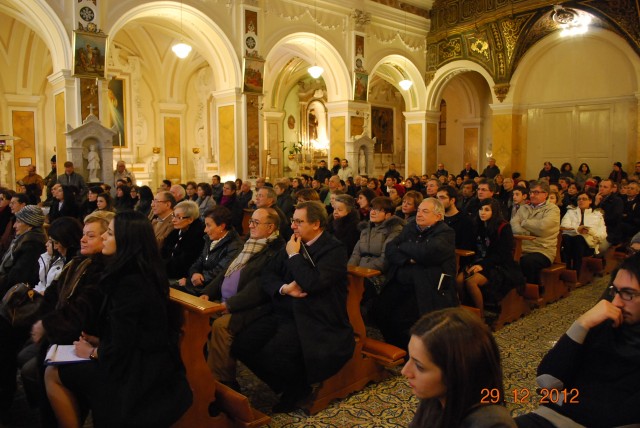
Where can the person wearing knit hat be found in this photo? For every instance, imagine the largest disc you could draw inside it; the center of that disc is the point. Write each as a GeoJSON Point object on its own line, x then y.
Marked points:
{"type": "Point", "coordinates": [20, 262]}
{"type": "Point", "coordinates": [31, 215]}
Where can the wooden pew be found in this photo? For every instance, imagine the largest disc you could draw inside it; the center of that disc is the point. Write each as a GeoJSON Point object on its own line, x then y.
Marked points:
{"type": "Point", "coordinates": [237, 412]}
{"type": "Point", "coordinates": [532, 291]}
{"type": "Point", "coordinates": [370, 357]}
{"type": "Point", "coordinates": [551, 283]}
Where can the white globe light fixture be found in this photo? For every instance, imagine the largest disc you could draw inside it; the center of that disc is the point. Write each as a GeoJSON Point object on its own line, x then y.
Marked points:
{"type": "Point", "coordinates": [405, 84]}
{"type": "Point", "coordinates": [182, 50]}
{"type": "Point", "coordinates": [315, 71]}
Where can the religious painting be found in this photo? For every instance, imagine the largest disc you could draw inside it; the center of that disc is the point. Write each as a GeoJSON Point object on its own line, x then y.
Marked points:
{"type": "Point", "coordinates": [360, 86]}
{"type": "Point", "coordinates": [382, 129]}
{"type": "Point", "coordinates": [89, 54]}
{"type": "Point", "coordinates": [253, 76]}
{"type": "Point", "coordinates": [359, 49]}
{"type": "Point", "coordinates": [115, 93]}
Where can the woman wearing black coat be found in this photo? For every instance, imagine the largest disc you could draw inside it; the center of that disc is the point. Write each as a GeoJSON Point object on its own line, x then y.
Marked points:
{"type": "Point", "coordinates": [64, 203]}
{"type": "Point", "coordinates": [184, 244]}
{"type": "Point", "coordinates": [135, 376]}
{"type": "Point", "coordinates": [221, 246]}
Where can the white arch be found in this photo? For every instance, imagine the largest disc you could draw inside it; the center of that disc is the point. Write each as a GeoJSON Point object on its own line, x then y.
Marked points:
{"type": "Point", "coordinates": [445, 73]}
{"type": "Point", "coordinates": [542, 47]}
{"type": "Point", "coordinates": [39, 17]}
{"type": "Point", "coordinates": [203, 33]}
{"type": "Point", "coordinates": [389, 67]}
{"type": "Point", "coordinates": [336, 76]}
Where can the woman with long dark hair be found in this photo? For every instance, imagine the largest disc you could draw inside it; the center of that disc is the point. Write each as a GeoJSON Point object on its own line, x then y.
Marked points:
{"type": "Point", "coordinates": [493, 264]}
{"type": "Point", "coordinates": [145, 197]}
{"type": "Point", "coordinates": [123, 201]}
{"type": "Point", "coordinates": [454, 370]}
{"type": "Point", "coordinates": [135, 376]}
{"type": "Point", "coordinates": [64, 202]}
{"type": "Point", "coordinates": [583, 174]}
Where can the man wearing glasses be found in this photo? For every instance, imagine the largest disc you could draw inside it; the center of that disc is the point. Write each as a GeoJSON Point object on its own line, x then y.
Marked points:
{"type": "Point", "coordinates": [308, 337]}
{"type": "Point", "coordinates": [162, 210]}
{"type": "Point", "coordinates": [542, 220]}
{"type": "Point", "coordinates": [239, 289]}
{"type": "Point", "coordinates": [591, 375]}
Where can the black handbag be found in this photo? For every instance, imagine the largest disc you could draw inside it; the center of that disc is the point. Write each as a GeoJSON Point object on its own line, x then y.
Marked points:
{"type": "Point", "coordinates": [20, 305]}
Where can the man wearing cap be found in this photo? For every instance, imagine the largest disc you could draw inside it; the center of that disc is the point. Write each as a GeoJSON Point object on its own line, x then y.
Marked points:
{"type": "Point", "coordinates": [20, 262]}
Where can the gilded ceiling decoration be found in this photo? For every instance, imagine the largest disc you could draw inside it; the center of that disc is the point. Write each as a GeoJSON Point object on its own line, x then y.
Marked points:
{"type": "Point", "coordinates": [497, 33]}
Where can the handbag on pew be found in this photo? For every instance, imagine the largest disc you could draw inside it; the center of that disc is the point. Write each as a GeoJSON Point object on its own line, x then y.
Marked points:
{"type": "Point", "coordinates": [20, 305]}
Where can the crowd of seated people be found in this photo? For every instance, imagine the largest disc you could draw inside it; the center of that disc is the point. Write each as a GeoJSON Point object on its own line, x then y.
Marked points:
{"type": "Point", "coordinates": [302, 234]}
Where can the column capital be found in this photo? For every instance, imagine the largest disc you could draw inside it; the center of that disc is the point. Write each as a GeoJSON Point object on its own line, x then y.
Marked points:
{"type": "Point", "coordinates": [415, 116]}
{"type": "Point", "coordinates": [60, 78]}
{"type": "Point", "coordinates": [175, 108]}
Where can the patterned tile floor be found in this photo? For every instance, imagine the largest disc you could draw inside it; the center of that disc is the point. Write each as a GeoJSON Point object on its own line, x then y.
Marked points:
{"type": "Point", "coordinates": [391, 404]}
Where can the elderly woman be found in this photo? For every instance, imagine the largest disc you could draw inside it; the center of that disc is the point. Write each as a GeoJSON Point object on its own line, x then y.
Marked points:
{"type": "Point", "coordinates": [221, 246]}
{"type": "Point", "coordinates": [375, 234]}
{"type": "Point", "coordinates": [134, 376]}
{"type": "Point", "coordinates": [410, 203]}
{"type": "Point", "coordinates": [205, 199]}
{"type": "Point", "coordinates": [70, 306]}
{"type": "Point", "coordinates": [585, 230]}
{"type": "Point", "coordinates": [183, 245]}
{"type": "Point", "coordinates": [20, 262]}
{"type": "Point", "coordinates": [62, 246]}
{"type": "Point", "coordinates": [343, 223]}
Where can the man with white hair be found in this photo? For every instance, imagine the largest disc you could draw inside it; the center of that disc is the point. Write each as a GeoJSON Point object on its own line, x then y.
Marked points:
{"type": "Point", "coordinates": [178, 193]}
{"type": "Point", "coordinates": [420, 279]}
{"type": "Point", "coordinates": [121, 173]}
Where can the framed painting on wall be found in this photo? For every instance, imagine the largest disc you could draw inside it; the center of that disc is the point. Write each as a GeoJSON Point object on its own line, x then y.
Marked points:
{"type": "Point", "coordinates": [116, 105]}
{"type": "Point", "coordinates": [89, 54]}
{"type": "Point", "coordinates": [253, 76]}
{"type": "Point", "coordinates": [360, 86]}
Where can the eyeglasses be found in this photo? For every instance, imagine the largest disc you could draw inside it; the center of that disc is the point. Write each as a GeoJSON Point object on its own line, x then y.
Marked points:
{"type": "Point", "coordinates": [583, 199]}
{"type": "Point", "coordinates": [376, 210]}
{"type": "Point", "coordinates": [297, 221]}
{"type": "Point", "coordinates": [536, 192]}
{"type": "Point", "coordinates": [179, 218]}
{"type": "Point", "coordinates": [256, 223]}
{"type": "Point", "coordinates": [625, 293]}
{"type": "Point", "coordinates": [156, 201]}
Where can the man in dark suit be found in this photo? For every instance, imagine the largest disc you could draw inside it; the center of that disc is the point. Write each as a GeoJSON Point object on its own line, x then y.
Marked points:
{"type": "Point", "coordinates": [308, 337]}
{"type": "Point", "coordinates": [422, 268]}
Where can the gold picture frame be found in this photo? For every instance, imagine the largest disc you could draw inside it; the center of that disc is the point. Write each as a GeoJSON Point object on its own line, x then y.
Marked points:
{"type": "Point", "coordinates": [253, 76]}
{"type": "Point", "coordinates": [89, 54]}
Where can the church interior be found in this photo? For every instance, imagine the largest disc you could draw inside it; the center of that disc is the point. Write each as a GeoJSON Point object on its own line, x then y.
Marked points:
{"type": "Point", "coordinates": [411, 82]}
{"type": "Point", "coordinates": [522, 81]}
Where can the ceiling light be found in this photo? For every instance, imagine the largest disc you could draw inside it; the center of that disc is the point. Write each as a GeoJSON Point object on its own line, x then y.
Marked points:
{"type": "Point", "coordinates": [406, 84]}
{"type": "Point", "coordinates": [315, 71]}
{"type": "Point", "coordinates": [181, 49]}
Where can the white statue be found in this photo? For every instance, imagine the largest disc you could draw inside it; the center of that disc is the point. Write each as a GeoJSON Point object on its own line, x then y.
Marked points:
{"type": "Point", "coordinates": [362, 162]}
{"type": "Point", "coordinates": [93, 163]}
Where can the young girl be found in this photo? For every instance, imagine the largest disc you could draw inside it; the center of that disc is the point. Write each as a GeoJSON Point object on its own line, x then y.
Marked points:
{"type": "Point", "coordinates": [454, 370]}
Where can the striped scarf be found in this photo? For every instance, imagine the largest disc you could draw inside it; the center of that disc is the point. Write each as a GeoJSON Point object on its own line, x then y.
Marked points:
{"type": "Point", "coordinates": [251, 248]}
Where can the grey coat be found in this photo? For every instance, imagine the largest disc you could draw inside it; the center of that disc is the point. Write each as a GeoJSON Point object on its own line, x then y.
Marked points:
{"type": "Point", "coordinates": [369, 250]}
